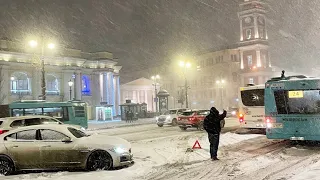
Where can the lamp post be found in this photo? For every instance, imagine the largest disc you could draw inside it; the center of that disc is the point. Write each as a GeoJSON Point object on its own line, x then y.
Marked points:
{"type": "Point", "coordinates": [34, 44]}
{"type": "Point", "coordinates": [220, 84]}
{"type": "Point", "coordinates": [70, 83]}
{"type": "Point", "coordinates": [154, 78]}
{"type": "Point", "coordinates": [185, 66]}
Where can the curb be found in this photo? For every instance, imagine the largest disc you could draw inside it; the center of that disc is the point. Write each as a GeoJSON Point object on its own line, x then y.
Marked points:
{"type": "Point", "coordinates": [121, 126]}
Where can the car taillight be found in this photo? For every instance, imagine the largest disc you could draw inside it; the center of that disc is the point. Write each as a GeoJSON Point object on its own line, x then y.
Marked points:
{"type": "Point", "coordinates": [3, 131]}
{"type": "Point", "coordinates": [192, 118]}
{"type": "Point", "coordinates": [241, 118]}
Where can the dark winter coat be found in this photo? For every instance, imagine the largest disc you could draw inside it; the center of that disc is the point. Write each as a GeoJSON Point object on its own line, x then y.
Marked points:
{"type": "Point", "coordinates": [212, 122]}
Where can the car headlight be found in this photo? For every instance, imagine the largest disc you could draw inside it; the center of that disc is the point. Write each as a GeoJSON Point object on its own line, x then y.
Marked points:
{"type": "Point", "coordinates": [168, 117]}
{"type": "Point", "coordinates": [83, 129]}
{"type": "Point", "coordinates": [233, 113]}
{"type": "Point", "coordinates": [157, 118]}
{"type": "Point", "coordinates": [119, 150]}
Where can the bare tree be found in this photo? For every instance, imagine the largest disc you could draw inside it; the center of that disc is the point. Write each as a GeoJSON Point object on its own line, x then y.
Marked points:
{"type": "Point", "coordinates": [2, 81]}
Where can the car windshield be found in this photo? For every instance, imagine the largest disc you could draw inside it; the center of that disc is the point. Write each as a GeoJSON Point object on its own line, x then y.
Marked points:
{"type": "Point", "coordinates": [77, 133]}
{"type": "Point", "coordinates": [170, 112]}
{"type": "Point", "coordinates": [188, 113]}
{"type": "Point", "coordinates": [1, 122]}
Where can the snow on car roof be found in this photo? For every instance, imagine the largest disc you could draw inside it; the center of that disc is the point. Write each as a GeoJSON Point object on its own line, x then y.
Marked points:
{"type": "Point", "coordinates": [24, 117]}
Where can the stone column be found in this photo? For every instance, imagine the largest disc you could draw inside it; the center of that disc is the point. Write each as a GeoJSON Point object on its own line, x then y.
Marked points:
{"type": "Point", "coordinates": [258, 54]}
{"type": "Point", "coordinates": [256, 33]}
{"type": "Point", "coordinates": [145, 96]}
{"type": "Point", "coordinates": [241, 60]}
{"type": "Point", "coordinates": [5, 84]}
{"type": "Point", "coordinates": [111, 93]}
{"type": "Point", "coordinates": [241, 30]}
{"type": "Point", "coordinates": [78, 85]}
{"type": "Point", "coordinates": [96, 91]}
{"type": "Point", "coordinates": [36, 84]}
{"type": "Point", "coordinates": [117, 94]}
{"type": "Point", "coordinates": [105, 88]}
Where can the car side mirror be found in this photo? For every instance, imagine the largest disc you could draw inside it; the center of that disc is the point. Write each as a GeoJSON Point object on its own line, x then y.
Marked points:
{"type": "Point", "coordinates": [66, 140]}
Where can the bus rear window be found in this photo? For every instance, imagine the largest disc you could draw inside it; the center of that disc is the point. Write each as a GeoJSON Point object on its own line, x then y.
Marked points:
{"type": "Point", "coordinates": [298, 102]}
{"type": "Point", "coordinates": [253, 97]}
{"type": "Point", "coordinates": [79, 111]}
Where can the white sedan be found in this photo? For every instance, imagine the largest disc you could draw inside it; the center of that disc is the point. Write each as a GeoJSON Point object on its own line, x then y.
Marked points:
{"type": "Point", "coordinates": [45, 147]}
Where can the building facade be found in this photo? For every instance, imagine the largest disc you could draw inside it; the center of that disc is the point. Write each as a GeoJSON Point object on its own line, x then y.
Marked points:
{"type": "Point", "coordinates": [139, 91]}
{"type": "Point", "coordinates": [95, 76]}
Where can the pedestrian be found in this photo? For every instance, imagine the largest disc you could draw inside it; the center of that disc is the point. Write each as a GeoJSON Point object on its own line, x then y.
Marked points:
{"type": "Point", "coordinates": [127, 116]}
{"type": "Point", "coordinates": [213, 124]}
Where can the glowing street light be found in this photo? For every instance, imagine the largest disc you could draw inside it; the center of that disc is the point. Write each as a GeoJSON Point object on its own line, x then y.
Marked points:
{"type": "Point", "coordinates": [70, 83]}
{"type": "Point", "coordinates": [220, 83]}
{"type": "Point", "coordinates": [51, 46]}
{"type": "Point", "coordinates": [33, 43]}
{"type": "Point", "coordinates": [185, 65]}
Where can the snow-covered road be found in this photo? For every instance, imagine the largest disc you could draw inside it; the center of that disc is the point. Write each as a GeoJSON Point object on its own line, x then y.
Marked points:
{"type": "Point", "coordinates": [160, 153]}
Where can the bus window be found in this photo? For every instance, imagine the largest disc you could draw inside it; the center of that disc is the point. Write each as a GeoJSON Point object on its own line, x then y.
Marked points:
{"type": "Point", "coordinates": [306, 102]}
{"type": "Point", "coordinates": [32, 111]}
{"type": "Point", "coordinates": [79, 111]}
{"type": "Point", "coordinates": [253, 97]}
{"type": "Point", "coordinates": [55, 112]}
{"type": "Point", "coordinates": [17, 112]}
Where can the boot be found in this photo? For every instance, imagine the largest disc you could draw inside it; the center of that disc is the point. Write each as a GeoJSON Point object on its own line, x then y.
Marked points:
{"type": "Point", "coordinates": [214, 159]}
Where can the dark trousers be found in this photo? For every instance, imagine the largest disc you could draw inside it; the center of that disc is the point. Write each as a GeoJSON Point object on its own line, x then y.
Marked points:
{"type": "Point", "coordinates": [214, 144]}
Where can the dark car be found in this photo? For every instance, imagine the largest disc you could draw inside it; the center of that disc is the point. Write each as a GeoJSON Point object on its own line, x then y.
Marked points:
{"type": "Point", "coordinates": [192, 119]}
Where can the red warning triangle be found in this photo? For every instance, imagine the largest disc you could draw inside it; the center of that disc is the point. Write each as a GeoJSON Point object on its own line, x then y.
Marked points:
{"type": "Point", "coordinates": [196, 145]}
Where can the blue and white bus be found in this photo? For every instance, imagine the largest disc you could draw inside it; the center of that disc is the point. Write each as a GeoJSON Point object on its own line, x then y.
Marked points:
{"type": "Point", "coordinates": [292, 108]}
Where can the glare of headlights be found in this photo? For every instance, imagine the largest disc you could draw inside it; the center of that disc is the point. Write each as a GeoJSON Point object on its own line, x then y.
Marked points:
{"type": "Point", "coordinates": [119, 150]}
{"type": "Point", "coordinates": [233, 112]}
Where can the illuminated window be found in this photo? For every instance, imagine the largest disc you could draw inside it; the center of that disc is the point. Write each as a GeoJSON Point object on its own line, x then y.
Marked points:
{"type": "Point", "coordinates": [251, 81]}
{"type": "Point", "coordinates": [86, 90]}
{"type": "Point", "coordinates": [52, 87]}
{"type": "Point", "coordinates": [248, 33]}
{"type": "Point", "coordinates": [20, 83]}
{"type": "Point", "coordinates": [249, 59]}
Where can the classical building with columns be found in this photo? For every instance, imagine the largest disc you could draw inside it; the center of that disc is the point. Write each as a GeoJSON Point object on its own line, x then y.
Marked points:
{"type": "Point", "coordinates": [95, 76]}
{"type": "Point", "coordinates": [140, 91]}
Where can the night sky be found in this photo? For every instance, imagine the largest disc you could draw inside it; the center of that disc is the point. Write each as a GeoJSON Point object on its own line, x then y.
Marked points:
{"type": "Point", "coordinates": [145, 33]}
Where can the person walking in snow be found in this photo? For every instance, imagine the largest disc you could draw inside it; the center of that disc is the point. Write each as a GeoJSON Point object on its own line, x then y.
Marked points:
{"type": "Point", "coordinates": [213, 124]}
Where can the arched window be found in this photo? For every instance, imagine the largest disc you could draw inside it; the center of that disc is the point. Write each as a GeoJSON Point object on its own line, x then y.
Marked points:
{"type": "Point", "coordinates": [20, 83]}
{"type": "Point", "coordinates": [52, 85]}
{"type": "Point", "coordinates": [86, 90]}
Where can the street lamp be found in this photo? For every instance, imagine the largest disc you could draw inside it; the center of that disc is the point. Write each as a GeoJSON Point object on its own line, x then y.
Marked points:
{"type": "Point", "coordinates": [185, 65]}
{"type": "Point", "coordinates": [34, 44]}
{"type": "Point", "coordinates": [70, 83]}
{"type": "Point", "coordinates": [154, 78]}
{"type": "Point", "coordinates": [220, 83]}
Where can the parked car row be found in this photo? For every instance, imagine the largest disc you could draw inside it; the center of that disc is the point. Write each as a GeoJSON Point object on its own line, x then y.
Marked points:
{"type": "Point", "coordinates": [44, 143]}
{"type": "Point", "coordinates": [184, 118]}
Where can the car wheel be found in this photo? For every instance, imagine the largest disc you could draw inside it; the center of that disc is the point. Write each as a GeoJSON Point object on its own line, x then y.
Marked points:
{"type": "Point", "coordinates": [160, 125]}
{"type": "Point", "coordinates": [99, 160]}
{"type": "Point", "coordinates": [200, 126]}
{"type": "Point", "coordinates": [183, 128]}
{"type": "Point", "coordinates": [6, 166]}
{"type": "Point", "coordinates": [174, 122]}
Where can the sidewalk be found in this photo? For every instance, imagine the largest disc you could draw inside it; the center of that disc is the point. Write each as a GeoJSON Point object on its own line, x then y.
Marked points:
{"type": "Point", "coordinates": [96, 125]}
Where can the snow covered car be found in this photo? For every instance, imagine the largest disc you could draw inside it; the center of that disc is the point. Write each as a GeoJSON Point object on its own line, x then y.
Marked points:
{"type": "Point", "coordinates": [46, 147]}
{"type": "Point", "coordinates": [192, 118]}
{"type": "Point", "coordinates": [169, 117]}
{"type": "Point", "coordinates": [10, 123]}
